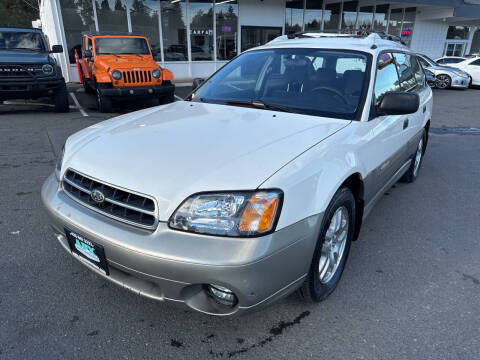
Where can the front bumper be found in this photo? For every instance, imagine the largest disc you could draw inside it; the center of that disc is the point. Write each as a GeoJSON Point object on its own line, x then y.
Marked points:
{"type": "Point", "coordinates": [459, 82]}
{"type": "Point", "coordinates": [164, 89]}
{"type": "Point", "coordinates": [173, 265]}
{"type": "Point", "coordinates": [28, 88]}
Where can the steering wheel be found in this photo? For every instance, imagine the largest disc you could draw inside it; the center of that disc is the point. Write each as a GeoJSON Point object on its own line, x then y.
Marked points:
{"type": "Point", "coordinates": [332, 90]}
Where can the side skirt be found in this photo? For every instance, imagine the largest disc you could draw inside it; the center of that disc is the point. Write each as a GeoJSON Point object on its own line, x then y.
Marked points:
{"type": "Point", "coordinates": [388, 185]}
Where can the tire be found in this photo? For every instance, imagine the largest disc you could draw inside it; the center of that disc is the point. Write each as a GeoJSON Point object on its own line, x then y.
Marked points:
{"type": "Point", "coordinates": [320, 283]}
{"type": "Point", "coordinates": [412, 173]}
{"type": "Point", "coordinates": [60, 99]}
{"type": "Point", "coordinates": [86, 87]}
{"type": "Point", "coordinates": [443, 81]}
{"type": "Point", "coordinates": [104, 103]}
{"type": "Point", "coordinates": [166, 99]}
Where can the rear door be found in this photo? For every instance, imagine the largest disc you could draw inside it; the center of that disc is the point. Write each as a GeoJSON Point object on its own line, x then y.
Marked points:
{"type": "Point", "coordinates": [473, 68]}
{"type": "Point", "coordinates": [412, 79]}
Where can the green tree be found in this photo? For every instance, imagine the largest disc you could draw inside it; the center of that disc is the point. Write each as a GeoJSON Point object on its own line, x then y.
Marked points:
{"type": "Point", "coordinates": [18, 13]}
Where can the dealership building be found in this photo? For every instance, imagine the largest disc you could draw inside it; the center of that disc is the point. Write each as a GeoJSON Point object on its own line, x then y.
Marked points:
{"type": "Point", "coordinates": [193, 38]}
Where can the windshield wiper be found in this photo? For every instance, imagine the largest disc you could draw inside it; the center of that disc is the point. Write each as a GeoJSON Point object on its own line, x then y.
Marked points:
{"type": "Point", "coordinates": [261, 105]}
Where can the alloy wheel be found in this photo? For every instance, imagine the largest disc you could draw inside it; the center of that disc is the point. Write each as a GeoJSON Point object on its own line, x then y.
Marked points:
{"type": "Point", "coordinates": [443, 81]}
{"type": "Point", "coordinates": [334, 245]}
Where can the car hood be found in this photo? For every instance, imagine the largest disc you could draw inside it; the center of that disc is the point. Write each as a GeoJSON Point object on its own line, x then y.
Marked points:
{"type": "Point", "coordinates": [173, 151]}
{"type": "Point", "coordinates": [125, 61]}
{"type": "Point", "coordinates": [23, 57]}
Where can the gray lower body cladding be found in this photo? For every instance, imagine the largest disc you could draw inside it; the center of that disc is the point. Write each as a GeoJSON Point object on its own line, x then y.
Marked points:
{"type": "Point", "coordinates": [171, 265]}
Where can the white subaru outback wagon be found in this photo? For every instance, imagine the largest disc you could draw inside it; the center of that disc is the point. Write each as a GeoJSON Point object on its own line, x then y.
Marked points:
{"type": "Point", "coordinates": [253, 187]}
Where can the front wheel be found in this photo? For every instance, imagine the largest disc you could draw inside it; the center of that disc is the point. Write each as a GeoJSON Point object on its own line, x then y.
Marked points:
{"type": "Point", "coordinates": [333, 246]}
{"type": "Point", "coordinates": [60, 99]}
{"type": "Point", "coordinates": [443, 81]}
{"type": "Point", "coordinates": [104, 103]}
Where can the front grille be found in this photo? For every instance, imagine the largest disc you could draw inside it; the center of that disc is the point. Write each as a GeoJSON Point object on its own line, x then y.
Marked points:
{"type": "Point", "coordinates": [119, 204]}
{"type": "Point", "coordinates": [137, 76]}
{"type": "Point", "coordinates": [20, 71]}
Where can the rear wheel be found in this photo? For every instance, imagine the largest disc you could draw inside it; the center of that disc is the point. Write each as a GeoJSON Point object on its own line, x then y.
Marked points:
{"type": "Point", "coordinates": [104, 103]}
{"type": "Point", "coordinates": [332, 247]}
{"type": "Point", "coordinates": [60, 99]}
{"type": "Point", "coordinates": [417, 159]}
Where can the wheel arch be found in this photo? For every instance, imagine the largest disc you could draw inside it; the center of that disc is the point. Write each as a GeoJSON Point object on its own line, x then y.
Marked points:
{"type": "Point", "coordinates": [354, 182]}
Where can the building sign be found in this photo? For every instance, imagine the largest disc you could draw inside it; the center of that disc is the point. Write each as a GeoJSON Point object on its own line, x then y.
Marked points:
{"type": "Point", "coordinates": [201, 31]}
{"type": "Point", "coordinates": [406, 32]}
{"type": "Point", "coordinates": [226, 28]}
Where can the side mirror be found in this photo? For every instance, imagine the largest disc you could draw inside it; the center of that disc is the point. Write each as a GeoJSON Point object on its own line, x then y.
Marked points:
{"type": "Point", "coordinates": [57, 49]}
{"type": "Point", "coordinates": [87, 53]}
{"type": "Point", "coordinates": [197, 82]}
{"type": "Point", "coordinates": [398, 103]}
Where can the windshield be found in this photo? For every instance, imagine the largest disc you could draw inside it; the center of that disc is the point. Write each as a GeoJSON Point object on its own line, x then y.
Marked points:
{"type": "Point", "coordinates": [11, 40]}
{"type": "Point", "coordinates": [121, 45]}
{"type": "Point", "coordinates": [317, 82]}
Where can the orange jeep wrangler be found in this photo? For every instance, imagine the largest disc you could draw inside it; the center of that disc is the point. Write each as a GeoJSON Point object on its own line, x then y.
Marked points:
{"type": "Point", "coordinates": [116, 66]}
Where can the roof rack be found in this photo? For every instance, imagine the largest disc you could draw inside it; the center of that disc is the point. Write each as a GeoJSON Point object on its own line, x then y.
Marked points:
{"type": "Point", "coordinates": [355, 33]}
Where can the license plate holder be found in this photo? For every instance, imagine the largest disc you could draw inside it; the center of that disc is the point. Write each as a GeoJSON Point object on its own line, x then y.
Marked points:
{"type": "Point", "coordinates": [87, 250]}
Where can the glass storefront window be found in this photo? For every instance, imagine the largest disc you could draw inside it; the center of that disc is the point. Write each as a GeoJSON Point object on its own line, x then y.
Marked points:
{"type": "Point", "coordinates": [349, 16]}
{"type": "Point", "coordinates": [77, 17]}
{"type": "Point", "coordinates": [457, 32]}
{"type": "Point", "coordinates": [112, 15]}
{"type": "Point", "coordinates": [381, 18]}
{"type": "Point", "coordinates": [293, 16]}
{"type": "Point", "coordinates": [331, 17]}
{"type": "Point", "coordinates": [201, 29]}
{"type": "Point", "coordinates": [144, 18]}
{"type": "Point", "coordinates": [365, 18]}
{"type": "Point", "coordinates": [258, 35]}
{"type": "Point", "coordinates": [408, 23]}
{"type": "Point", "coordinates": [226, 13]}
{"type": "Point", "coordinates": [313, 15]}
{"type": "Point", "coordinates": [395, 23]}
{"type": "Point", "coordinates": [174, 30]}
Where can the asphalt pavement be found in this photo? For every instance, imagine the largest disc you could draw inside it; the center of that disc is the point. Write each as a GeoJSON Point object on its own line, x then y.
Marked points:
{"type": "Point", "coordinates": [411, 288]}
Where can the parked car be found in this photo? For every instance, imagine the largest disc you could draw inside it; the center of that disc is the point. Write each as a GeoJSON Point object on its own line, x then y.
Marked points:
{"type": "Point", "coordinates": [27, 70]}
{"type": "Point", "coordinates": [120, 66]}
{"type": "Point", "coordinates": [282, 154]}
{"type": "Point", "coordinates": [472, 67]}
{"type": "Point", "coordinates": [449, 60]}
{"type": "Point", "coordinates": [447, 77]}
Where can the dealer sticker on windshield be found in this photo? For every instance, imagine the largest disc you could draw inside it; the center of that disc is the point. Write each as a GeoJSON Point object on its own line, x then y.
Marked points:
{"type": "Point", "coordinates": [87, 250]}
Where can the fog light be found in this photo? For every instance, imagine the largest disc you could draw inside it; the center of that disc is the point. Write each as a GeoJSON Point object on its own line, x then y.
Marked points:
{"type": "Point", "coordinates": [222, 295]}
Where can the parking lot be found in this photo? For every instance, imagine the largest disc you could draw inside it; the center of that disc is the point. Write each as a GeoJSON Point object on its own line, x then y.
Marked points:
{"type": "Point", "coordinates": [411, 289]}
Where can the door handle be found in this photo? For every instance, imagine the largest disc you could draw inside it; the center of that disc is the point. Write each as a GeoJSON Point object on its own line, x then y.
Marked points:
{"type": "Point", "coordinates": [405, 124]}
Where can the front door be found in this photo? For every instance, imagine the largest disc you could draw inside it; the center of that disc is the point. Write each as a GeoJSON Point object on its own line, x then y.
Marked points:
{"type": "Point", "coordinates": [253, 36]}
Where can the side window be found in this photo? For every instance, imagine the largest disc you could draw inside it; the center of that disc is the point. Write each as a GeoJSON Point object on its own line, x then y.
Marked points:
{"type": "Point", "coordinates": [89, 44]}
{"type": "Point", "coordinates": [442, 61]}
{"type": "Point", "coordinates": [419, 74]}
{"type": "Point", "coordinates": [405, 71]}
{"type": "Point", "coordinates": [387, 76]}
{"type": "Point", "coordinates": [423, 62]}
{"type": "Point", "coordinates": [476, 62]}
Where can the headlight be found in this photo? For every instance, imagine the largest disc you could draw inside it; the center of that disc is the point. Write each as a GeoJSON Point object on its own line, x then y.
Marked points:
{"type": "Point", "coordinates": [240, 214]}
{"type": "Point", "coordinates": [47, 69]}
{"type": "Point", "coordinates": [156, 73]}
{"type": "Point", "coordinates": [116, 75]}
{"type": "Point", "coordinates": [58, 166]}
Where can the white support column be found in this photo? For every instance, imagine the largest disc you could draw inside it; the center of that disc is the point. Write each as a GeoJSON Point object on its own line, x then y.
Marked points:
{"type": "Point", "coordinates": [189, 50]}
{"type": "Point", "coordinates": [303, 15]}
{"type": "Point", "coordinates": [129, 20]}
{"type": "Point", "coordinates": [160, 31]}
{"type": "Point", "coordinates": [95, 18]}
{"type": "Point", "coordinates": [64, 60]}
{"type": "Point", "coordinates": [322, 21]}
{"type": "Point", "coordinates": [214, 37]}
{"type": "Point", "coordinates": [239, 27]}
{"type": "Point", "coordinates": [340, 17]}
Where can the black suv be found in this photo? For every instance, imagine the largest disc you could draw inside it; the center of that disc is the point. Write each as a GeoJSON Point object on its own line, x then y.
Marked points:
{"type": "Point", "coordinates": [27, 70]}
